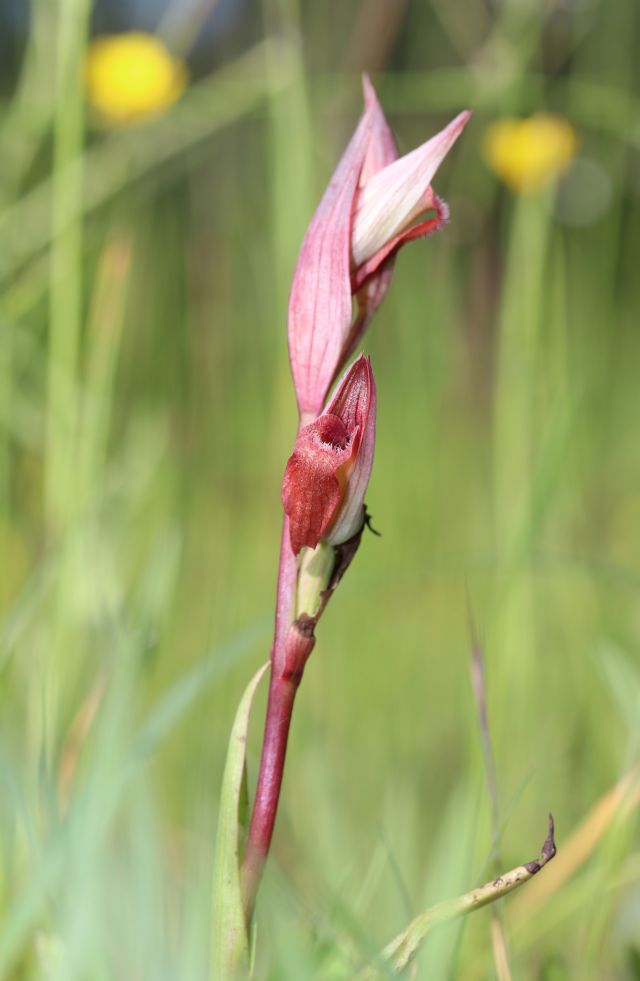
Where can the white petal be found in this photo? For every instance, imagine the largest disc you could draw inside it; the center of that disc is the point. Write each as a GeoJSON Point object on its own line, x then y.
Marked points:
{"type": "Point", "coordinates": [397, 195]}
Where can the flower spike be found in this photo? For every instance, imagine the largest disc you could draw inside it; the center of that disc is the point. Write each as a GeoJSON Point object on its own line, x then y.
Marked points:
{"type": "Point", "coordinates": [374, 203]}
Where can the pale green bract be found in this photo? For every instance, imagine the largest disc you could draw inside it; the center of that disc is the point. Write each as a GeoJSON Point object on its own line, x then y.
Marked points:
{"type": "Point", "coordinates": [230, 943]}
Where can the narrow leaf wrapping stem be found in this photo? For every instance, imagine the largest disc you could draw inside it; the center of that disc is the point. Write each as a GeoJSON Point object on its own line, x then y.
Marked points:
{"type": "Point", "coordinates": [230, 944]}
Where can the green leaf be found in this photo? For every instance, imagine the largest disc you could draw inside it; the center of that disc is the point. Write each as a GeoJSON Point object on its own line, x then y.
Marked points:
{"type": "Point", "coordinates": [230, 943]}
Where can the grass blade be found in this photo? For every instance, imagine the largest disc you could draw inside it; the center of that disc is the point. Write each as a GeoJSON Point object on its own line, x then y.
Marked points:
{"type": "Point", "coordinates": [399, 953]}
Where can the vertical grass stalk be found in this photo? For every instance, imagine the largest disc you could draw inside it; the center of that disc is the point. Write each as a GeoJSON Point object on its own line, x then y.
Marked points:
{"type": "Point", "coordinates": [65, 296]}
{"type": "Point", "coordinates": [514, 440]}
{"type": "Point", "coordinates": [65, 320]}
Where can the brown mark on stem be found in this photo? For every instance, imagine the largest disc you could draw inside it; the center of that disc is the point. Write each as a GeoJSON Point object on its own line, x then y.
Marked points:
{"type": "Point", "coordinates": [547, 853]}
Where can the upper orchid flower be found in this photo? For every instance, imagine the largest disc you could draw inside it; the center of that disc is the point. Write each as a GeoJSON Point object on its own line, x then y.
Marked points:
{"type": "Point", "coordinates": [391, 205]}
{"type": "Point", "coordinates": [326, 477]}
{"type": "Point", "coordinates": [374, 203]}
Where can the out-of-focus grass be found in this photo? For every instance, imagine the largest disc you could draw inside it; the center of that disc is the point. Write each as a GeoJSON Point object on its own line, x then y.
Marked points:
{"type": "Point", "coordinates": [134, 609]}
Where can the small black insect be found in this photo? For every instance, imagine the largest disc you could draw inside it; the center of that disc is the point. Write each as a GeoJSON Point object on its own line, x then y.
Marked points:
{"type": "Point", "coordinates": [367, 521]}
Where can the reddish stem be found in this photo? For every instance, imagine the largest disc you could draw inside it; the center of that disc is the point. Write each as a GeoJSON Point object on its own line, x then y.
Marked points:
{"type": "Point", "coordinates": [282, 693]}
{"type": "Point", "coordinates": [288, 654]}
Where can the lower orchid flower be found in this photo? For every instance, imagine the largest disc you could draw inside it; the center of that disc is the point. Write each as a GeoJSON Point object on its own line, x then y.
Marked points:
{"type": "Point", "coordinates": [326, 477]}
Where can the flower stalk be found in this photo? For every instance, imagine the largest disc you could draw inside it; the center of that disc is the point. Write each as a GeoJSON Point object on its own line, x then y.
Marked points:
{"type": "Point", "coordinates": [323, 495]}
{"type": "Point", "coordinates": [282, 692]}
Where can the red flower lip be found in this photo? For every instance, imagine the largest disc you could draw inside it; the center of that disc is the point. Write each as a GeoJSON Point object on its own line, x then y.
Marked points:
{"type": "Point", "coordinates": [327, 474]}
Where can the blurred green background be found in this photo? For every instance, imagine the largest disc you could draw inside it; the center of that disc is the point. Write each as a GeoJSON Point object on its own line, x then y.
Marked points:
{"type": "Point", "coordinates": [146, 413]}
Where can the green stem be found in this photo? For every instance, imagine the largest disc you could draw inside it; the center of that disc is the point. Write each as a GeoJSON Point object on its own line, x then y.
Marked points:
{"type": "Point", "coordinates": [6, 381]}
{"type": "Point", "coordinates": [514, 446]}
{"type": "Point", "coordinates": [65, 308]}
{"type": "Point", "coordinates": [65, 318]}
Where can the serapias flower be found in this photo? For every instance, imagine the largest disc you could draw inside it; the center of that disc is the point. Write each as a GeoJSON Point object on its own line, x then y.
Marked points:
{"type": "Point", "coordinates": [527, 154]}
{"type": "Point", "coordinates": [131, 76]}
{"type": "Point", "coordinates": [374, 203]}
{"type": "Point", "coordinates": [327, 474]}
{"type": "Point", "coordinates": [390, 206]}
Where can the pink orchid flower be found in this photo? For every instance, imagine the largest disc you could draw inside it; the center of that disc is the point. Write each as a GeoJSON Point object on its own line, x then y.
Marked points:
{"type": "Point", "coordinates": [374, 203]}
{"type": "Point", "coordinates": [326, 476]}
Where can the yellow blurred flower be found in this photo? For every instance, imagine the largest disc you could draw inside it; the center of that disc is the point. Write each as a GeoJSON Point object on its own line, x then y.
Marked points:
{"type": "Point", "coordinates": [527, 154]}
{"type": "Point", "coordinates": [130, 76]}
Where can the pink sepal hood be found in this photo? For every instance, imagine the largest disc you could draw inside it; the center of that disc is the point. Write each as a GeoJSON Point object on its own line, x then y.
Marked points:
{"type": "Point", "coordinates": [374, 203]}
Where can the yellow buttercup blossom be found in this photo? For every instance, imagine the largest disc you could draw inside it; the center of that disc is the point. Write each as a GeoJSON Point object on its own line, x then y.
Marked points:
{"type": "Point", "coordinates": [527, 154]}
{"type": "Point", "coordinates": [131, 76]}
